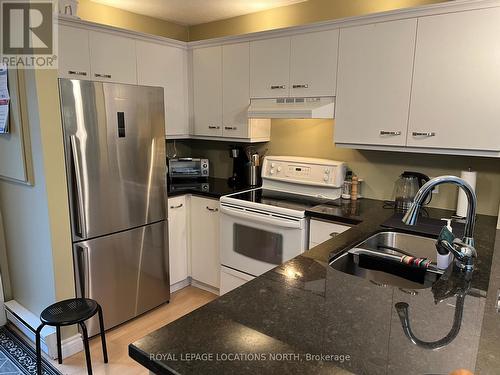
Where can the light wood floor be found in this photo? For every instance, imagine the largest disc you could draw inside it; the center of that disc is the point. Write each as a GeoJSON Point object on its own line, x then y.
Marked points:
{"type": "Point", "coordinates": [181, 303]}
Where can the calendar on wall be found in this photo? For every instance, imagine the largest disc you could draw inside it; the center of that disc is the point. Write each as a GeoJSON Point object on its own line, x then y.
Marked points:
{"type": "Point", "coordinates": [4, 100]}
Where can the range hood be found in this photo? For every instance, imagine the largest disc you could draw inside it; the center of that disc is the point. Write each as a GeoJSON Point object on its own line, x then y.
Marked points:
{"type": "Point", "coordinates": [292, 108]}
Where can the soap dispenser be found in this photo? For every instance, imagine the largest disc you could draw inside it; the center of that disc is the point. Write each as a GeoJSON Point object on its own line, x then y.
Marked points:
{"type": "Point", "coordinates": [444, 257]}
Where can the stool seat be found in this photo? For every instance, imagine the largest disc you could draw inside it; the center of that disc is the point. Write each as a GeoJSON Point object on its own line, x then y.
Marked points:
{"type": "Point", "coordinates": [69, 311]}
{"type": "Point", "coordinates": [65, 313]}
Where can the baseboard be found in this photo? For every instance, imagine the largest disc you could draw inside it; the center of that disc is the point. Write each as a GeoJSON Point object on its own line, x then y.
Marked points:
{"type": "Point", "coordinates": [180, 285]}
{"type": "Point", "coordinates": [208, 288]}
{"type": "Point", "coordinates": [27, 322]}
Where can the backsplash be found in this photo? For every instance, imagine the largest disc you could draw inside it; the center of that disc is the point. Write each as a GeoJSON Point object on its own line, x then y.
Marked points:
{"type": "Point", "coordinates": [379, 169]}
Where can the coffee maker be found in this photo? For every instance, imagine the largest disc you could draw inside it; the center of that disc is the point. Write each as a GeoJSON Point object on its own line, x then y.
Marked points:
{"type": "Point", "coordinates": [239, 161]}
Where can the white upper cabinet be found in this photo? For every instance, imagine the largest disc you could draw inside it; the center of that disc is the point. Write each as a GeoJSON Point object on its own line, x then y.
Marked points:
{"type": "Point", "coordinates": [166, 66]}
{"type": "Point", "coordinates": [74, 58]}
{"type": "Point", "coordinates": [313, 64]}
{"type": "Point", "coordinates": [456, 84]}
{"type": "Point", "coordinates": [207, 96]}
{"type": "Point", "coordinates": [374, 83]}
{"type": "Point", "coordinates": [270, 68]}
{"type": "Point", "coordinates": [112, 58]}
{"type": "Point", "coordinates": [236, 87]}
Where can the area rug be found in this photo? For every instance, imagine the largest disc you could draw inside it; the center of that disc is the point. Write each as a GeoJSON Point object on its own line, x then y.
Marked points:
{"type": "Point", "coordinates": [17, 357]}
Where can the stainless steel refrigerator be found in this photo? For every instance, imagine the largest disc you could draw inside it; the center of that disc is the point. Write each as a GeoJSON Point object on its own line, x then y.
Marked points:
{"type": "Point", "coordinates": [115, 162]}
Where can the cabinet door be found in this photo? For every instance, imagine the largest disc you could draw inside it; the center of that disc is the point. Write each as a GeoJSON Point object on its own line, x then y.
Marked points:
{"type": "Point", "coordinates": [270, 68]}
{"type": "Point", "coordinates": [166, 66]}
{"type": "Point", "coordinates": [112, 58]}
{"type": "Point", "coordinates": [313, 64]}
{"type": "Point", "coordinates": [235, 91]}
{"type": "Point", "coordinates": [74, 58]}
{"type": "Point", "coordinates": [374, 83]}
{"type": "Point", "coordinates": [321, 231]}
{"type": "Point", "coordinates": [205, 262]}
{"type": "Point", "coordinates": [177, 239]}
{"type": "Point", "coordinates": [456, 82]}
{"type": "Point", "coordinates": [207, 84]}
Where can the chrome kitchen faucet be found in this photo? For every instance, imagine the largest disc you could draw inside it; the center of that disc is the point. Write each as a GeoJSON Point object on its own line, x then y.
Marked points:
{"type": "Point", "coordinates": [463, 249]}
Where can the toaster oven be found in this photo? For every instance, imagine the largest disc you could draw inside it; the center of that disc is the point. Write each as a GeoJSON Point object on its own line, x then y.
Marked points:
{"type": "Point", "coordinates": [188, 168]}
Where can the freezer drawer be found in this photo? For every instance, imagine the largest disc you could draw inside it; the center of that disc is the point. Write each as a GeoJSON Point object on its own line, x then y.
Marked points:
{"type": "Point", "coordinates": [126, 272]}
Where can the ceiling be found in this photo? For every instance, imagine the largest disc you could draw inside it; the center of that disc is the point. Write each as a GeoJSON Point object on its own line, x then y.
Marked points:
{"type": "Point", "coordinates": [193, 12]}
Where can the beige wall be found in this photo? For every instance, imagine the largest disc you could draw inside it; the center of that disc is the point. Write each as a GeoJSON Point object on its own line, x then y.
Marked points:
{"type": "Point", "coordinates": [26, 224]}
{"type": "Point", "coordinates": [36, 218]}
{"type": "Point", "coordinates": [55, 175]}
{"type": "Point", "coordinates": [107, 15]}
{"type": "Point", "coordinates": [379, 169]}
{"type": "Point", "coordinates": [297, 14]}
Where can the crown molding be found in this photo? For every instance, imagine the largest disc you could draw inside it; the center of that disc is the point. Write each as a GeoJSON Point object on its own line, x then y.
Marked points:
{"type": "Point", "coordinates": [392, 15]}
{"type": "Point", "coordinates": [77, 22]}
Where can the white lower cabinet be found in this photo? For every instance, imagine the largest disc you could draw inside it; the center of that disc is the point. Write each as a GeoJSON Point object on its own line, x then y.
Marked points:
{"type": "Point", "coordinates": [321, 231]}
{"type": "Point", "coordinates": [177, 238]}
{"type": "Point", "coordinates": [205, 259]}
{"type": "Point", "coordinates": [231, 279]}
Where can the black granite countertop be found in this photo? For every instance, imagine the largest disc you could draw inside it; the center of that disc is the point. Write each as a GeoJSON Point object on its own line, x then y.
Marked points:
{"type": "Point", "coordinates": [304, 317]}
{"type": "Point", "coordinates": [211, 187]}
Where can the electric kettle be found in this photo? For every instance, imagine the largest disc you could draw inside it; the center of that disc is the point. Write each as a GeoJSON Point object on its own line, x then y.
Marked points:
{"type": "Point", "coordinates": [406, 187]}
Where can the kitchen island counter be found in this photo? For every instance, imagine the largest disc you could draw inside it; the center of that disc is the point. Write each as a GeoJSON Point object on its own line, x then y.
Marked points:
{"type": "Point", "coordinates": [305, 317]}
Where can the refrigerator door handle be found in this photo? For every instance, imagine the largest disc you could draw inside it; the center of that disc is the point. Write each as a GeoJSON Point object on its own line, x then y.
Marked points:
{"type": "Point", "coordinates": [78, 194]}
{"type": "Point", "coordinates": [82, 264]}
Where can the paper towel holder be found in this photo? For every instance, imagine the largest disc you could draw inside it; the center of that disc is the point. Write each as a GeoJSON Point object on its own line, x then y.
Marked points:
{"type": "Point", "coordinates": [470, 177]}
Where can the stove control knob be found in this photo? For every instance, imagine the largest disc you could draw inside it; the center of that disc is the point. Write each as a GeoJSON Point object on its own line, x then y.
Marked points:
{"type": "Point", "coordinates": [279, 169]}
{"type": "Point", "coordinates": [327, 171]}
{"type": "Point", "coordinates": [273, 165]}
{"type": "Point", "coordinates": [326, 178]}
{"type": "Point", "coordinates": [272, 171]}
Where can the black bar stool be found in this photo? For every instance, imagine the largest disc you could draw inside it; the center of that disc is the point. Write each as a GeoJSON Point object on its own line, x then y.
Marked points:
{"type": "Point", "coordinates": [69, 312]}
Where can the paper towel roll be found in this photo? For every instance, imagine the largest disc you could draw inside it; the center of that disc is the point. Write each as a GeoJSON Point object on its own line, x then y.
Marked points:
{"type": "Point", "coordinates": [470, 177]}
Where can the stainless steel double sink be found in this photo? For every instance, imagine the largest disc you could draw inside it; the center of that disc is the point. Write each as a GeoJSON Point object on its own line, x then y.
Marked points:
{"type": "Point", "coordinates": [378, 259]}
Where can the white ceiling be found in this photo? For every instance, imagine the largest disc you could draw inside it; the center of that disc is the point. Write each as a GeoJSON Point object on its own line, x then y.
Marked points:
{"type": "Point", "coordinates": [193, 12]}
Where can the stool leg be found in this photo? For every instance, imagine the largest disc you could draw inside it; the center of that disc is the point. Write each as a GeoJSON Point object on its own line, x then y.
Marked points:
{"type": "Point", "coordinates": [87, 348]}
{"type": "Point", "coordinates": [59, 351]}
{"type": "Point", "coordinates": [39, 350]}
{"type": "Point", "coordinates": [103, 336]}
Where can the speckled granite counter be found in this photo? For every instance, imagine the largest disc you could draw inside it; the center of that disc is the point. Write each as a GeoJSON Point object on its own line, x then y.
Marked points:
{"type": "Point", "coordinates": [307, 318]}
{"type": "Point", "coordinates": [210, 188]}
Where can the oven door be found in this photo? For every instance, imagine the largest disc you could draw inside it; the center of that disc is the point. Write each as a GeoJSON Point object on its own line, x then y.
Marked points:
{"type": "Point", "coordinates": [254, 241]}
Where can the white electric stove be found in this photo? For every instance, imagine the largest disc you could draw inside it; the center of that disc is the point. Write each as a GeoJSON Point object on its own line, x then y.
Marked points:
{"type": "Point", "coordinates": [264, 227]}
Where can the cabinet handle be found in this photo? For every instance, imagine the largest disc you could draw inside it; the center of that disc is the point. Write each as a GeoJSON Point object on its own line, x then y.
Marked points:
{"type": "Point", "coordinates": [178, 206]}
{"type": "Point", "coordinates": [300, 86]}
{"type": "Point", "coordinates": [386, 132]}
{"type": "Point", "coordinates": [411, 292]}
{"type": "Point", "coordinates": [213, 127]}
{"type": "Point", "coordinates": [230, 128]}
{"type": "Point", "coordinates": [276, 87]}
{"type": "Point", "coordinates": [423, 134]}
{"type": "Point", "coordinates": [378, 284]}
{"type": "Point", "coordinates": [77, 73]}
{"type": "Point", "coordinates": [212, 209]}
{"type": "Point", "coordinates": [99, 75]}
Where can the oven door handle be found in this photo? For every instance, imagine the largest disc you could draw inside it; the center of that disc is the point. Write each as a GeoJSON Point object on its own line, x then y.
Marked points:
{"type": "Point", "coordinates": [262, 218]}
